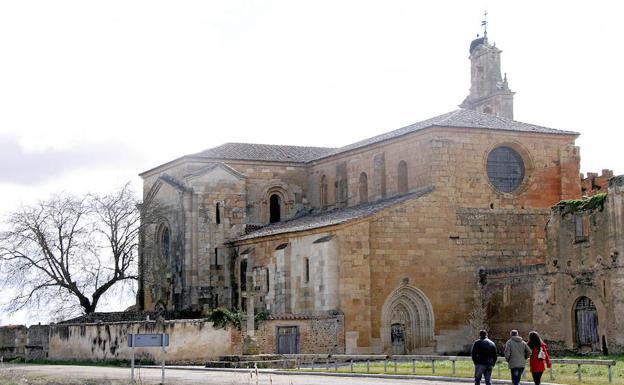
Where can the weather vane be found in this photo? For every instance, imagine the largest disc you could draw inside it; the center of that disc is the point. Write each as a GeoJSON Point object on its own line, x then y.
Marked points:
{"type": "Point", "coordinates": [484, 24]}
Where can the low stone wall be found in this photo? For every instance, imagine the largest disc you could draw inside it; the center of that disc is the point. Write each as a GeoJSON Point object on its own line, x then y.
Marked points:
{"type": "Point", "coordinates": [190, 341]}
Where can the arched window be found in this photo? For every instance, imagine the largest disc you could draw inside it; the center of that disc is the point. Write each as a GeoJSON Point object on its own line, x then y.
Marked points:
{"type": "Point", "coordinates": [164, 241]}
{"type": "Point", "coordinates": [363, 188]}
{"type": "Point", "coordinates": [274, 208]}
{"type": "Point", "coordinates": [217, 214]}
{"type": "Point", "coordinates": [323, 192]}
{"type": "Point", "coordinates": [402, 187]}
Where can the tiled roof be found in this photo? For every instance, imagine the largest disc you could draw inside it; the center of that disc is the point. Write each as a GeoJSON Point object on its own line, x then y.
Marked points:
{"type": "Point", "coordinates": [461, 119]}
{"type": "Point", "coordinates": [332, 217]}
{"type": "Point", "coordinates": [266, 152]}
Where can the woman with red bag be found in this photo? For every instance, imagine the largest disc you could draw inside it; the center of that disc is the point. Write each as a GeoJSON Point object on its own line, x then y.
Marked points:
{"type": "Point", "coordinates": [539, 360]}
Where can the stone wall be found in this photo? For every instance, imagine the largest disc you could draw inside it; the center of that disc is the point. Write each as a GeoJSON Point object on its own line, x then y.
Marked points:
{"type": "Point", "coordinates": [37, 342]}
{"type": "Point", "coordinates": [12, 341]}
{"type": "Point", "coordinates": [190, 341]}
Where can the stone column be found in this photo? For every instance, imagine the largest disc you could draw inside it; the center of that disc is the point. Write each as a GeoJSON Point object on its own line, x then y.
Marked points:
{"type": "Point", "coordinates": [250, 345]}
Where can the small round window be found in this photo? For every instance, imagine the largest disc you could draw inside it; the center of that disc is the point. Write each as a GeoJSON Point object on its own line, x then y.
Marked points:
{"type": "Point", "coordinates": [505, 169]}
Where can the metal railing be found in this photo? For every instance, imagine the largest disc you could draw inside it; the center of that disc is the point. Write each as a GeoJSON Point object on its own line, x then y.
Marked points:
{"type": "Point", "coordinates": [325, 361]}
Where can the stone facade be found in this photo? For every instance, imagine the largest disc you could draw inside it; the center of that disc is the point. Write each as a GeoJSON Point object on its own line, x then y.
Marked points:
{"type": "Point", "coordinates": [404, 234]}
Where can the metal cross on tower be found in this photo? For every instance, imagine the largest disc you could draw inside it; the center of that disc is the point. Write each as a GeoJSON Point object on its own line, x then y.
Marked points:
{"type": "Point", "coordinates": [484, 24]}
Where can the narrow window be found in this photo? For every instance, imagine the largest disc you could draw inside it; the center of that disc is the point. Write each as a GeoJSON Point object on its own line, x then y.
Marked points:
{"type": "Point", "coordinates": [604, 288]}
{"type": "Point", "coordinates": [323, 192]}
{"type": "Point", "coordinates": [274, 208]}
{"type": "Point", "coordinates": [268, 280]}
{"type": "Point", "coordinates": [581, 228]}
{"type": "Point", "coordinates": [363, 188]}
{"type": "Point", "coordinates": [306, 267]}
{"type": "Point", "coordinates": [216, 300]}
{"type": "Point", "coordinates": [402, 187]}
{"type": "Point", "coordinates": [216, 256]}
{"type": "Point", "coordinates": [218, 214]}
{"type": "Point", "coordinates": [243, 275]}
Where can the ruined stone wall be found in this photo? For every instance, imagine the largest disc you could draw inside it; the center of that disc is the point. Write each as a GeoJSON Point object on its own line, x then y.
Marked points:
{"type": "Point", "coordinates": [12, 341]}
{"type": "Point", "coordinates": [589, 265]}
{"type": "Point", "coordinates": [317, 334]}
{"type": "Point", "coordinates": [595, 183]}
{"type": "Point", "coordinates": [190, 341]}
{"type": "Point", "coordinates": [37, 342]}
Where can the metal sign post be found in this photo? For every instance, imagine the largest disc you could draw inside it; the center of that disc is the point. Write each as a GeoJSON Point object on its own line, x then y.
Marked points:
{"type": "Point", "coordinates": [148, 340]}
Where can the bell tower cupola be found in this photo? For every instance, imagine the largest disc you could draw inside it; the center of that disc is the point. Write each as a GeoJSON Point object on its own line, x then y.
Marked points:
{"type": "Point", "coordinates": [489, 91]}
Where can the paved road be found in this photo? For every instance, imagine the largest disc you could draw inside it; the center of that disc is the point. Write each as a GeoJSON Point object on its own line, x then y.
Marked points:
{"type": "Point", "coordinates": [193, 377]}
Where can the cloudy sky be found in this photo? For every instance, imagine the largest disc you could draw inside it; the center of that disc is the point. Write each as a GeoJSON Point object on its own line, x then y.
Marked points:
{"type": "Point", "coordinates": [92, 93]}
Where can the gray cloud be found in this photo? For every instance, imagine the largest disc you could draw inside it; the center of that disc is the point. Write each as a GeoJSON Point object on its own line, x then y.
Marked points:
{"type": "Point", "coordinates": [18, 166]}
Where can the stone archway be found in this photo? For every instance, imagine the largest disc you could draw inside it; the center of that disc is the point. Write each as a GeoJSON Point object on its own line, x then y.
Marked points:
{"type": "Point", "coordinates": [407, 321]}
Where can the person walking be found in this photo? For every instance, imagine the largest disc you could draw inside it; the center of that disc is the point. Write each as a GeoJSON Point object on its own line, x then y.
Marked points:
{"type": "Point", "coordinates": [516, 353]}
{"type": "Point", "coordinates": [539, 357]}
{"type": "Point", "coordinates": [484, 357]}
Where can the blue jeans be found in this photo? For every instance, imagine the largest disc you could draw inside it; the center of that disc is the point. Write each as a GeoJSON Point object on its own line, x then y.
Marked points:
{"type": "Point", "coordinates": [516, 375]}
{"type": "Point", "coordinates": [485, 371]}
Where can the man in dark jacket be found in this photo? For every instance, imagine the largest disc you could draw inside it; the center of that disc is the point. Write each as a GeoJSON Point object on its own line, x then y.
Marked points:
{"type": "Point", "coordinates": [484, 357]}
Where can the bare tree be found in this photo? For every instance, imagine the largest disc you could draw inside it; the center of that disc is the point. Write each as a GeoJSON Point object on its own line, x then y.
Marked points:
{"type": "Point", "coordinates": [67, 252]}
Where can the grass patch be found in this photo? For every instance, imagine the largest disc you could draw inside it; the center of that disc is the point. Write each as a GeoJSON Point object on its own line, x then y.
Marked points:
{"type": "Point", "coordinates": [562, 374]}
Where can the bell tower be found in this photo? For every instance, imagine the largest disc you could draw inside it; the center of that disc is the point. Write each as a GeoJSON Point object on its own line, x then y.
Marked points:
{"type": "Point", "coordinates": [489, 91]}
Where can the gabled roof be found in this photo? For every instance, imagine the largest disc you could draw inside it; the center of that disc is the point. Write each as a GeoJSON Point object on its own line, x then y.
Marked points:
{"type": "Point", "coordinates": [266, 152]}
{"type": "Point", "coordinates": [332, 217]}
{"type": "Point", "coordinates": [461, 118]}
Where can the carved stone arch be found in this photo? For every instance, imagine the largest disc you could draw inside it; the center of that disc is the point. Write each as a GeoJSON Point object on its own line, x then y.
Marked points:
{"type": "Point", "coordinates": [286, 199]}
{"type": "Point", "coordinates": [410, 307]}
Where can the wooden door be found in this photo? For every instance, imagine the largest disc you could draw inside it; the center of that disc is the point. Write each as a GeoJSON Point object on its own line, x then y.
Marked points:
{"type": "Point", "coordinates": [287, 340]}
{"type": "Point", "coordinates": [586, 324]}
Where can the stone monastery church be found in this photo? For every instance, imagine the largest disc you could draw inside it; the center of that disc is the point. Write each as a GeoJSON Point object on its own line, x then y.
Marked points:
{"type": "Point", "coordinates": [402, 241]}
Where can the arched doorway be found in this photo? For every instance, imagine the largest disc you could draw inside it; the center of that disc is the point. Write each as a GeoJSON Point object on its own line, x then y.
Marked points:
{"type": "Point", "coordinates": [407, 321]}
{"type": "Point", "coordinates": [274, 208]}
{"type": "Point", "coordinates": [586, 324]}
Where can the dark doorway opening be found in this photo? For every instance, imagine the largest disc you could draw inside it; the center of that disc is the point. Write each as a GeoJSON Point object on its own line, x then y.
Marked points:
{"type": "Point", "coordinates": [274, 208]}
